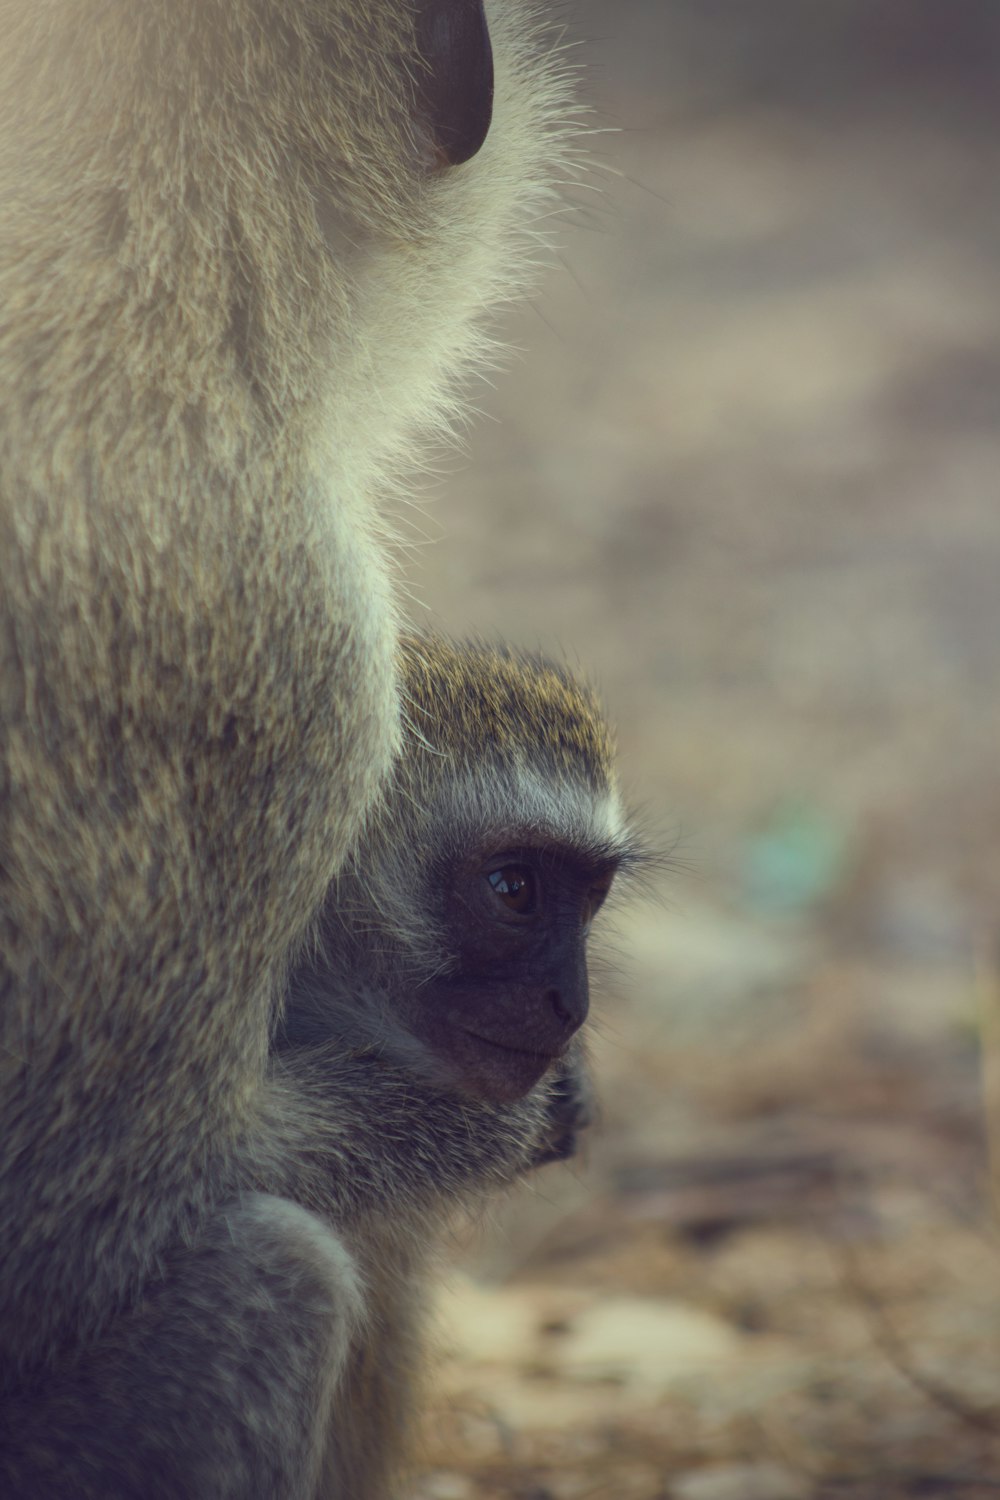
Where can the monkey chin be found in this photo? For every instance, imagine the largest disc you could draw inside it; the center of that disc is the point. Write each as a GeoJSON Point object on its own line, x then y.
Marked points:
{"type": "Point", "coordinates": [489, 1070]}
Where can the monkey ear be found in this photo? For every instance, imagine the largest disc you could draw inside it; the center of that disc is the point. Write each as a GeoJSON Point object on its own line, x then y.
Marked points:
{"type": "Point", "coordinates": [455, 81]}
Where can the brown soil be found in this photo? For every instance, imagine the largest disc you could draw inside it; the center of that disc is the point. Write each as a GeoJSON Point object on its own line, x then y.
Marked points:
{"type": "Point", "coordinates": [748, 474]}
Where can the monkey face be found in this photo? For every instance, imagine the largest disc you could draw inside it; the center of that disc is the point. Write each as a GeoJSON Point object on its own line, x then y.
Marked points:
{"type": "Point", "coordinates": [517, 923]}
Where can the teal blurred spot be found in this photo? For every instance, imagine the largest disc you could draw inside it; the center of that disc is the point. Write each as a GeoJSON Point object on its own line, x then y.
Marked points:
{"type": "Point", "coordinates": [797, 859]}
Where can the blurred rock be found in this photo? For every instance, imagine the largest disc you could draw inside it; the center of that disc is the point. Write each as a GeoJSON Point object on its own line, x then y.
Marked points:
{"type": "Point", "coordinates": [645, 1343]}
{"type": "Point", "coordinates": [759, 1481]}
{"type": "Point", "coordinates": [444, 1487]}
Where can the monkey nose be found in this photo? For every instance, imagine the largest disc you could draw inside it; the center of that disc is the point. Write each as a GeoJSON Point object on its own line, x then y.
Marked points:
{"type": "Point", "coordinates": [569, 1007]}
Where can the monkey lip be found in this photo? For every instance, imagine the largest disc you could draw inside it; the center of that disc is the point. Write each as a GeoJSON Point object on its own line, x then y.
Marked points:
{"type": "Point", "coordinates": [485, 1066]}
{"type": "Point", "coordinates": [537, 1056]}
{"type": "Point", "coordinates": [496, 1071]}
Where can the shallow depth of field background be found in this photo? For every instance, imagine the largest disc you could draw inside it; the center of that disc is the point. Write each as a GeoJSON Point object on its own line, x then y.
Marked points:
{"type": "Point", "coordinates": [747, 474]}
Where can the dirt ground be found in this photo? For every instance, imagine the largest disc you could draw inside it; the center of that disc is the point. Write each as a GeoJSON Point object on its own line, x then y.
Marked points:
{"type": "Point", "coordinates": [747, 473]}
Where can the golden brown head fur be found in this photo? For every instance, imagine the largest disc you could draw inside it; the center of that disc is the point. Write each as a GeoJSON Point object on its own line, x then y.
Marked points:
{"type": "Point", "coordinates": [494, 706]}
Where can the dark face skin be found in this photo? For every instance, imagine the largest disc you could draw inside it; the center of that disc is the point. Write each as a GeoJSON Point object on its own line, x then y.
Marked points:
{"type": "Point", "coordinates": [517, 922]}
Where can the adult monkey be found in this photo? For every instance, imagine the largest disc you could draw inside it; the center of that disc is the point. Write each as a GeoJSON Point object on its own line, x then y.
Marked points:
{"type": "Point", "coordinates": [239, 260]}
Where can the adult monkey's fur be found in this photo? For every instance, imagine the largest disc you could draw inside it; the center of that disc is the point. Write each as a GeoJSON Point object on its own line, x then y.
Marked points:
{"type": "Point", "coordinates": [236, 278]}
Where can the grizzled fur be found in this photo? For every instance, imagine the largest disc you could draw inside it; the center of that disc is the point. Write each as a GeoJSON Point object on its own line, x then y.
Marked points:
{"type": "Point", "coordinates": [355, 1133]}
{"type": "Point", "coordinates": [235, 285]}
{"type": "Point", "coordinates": [466, 698]}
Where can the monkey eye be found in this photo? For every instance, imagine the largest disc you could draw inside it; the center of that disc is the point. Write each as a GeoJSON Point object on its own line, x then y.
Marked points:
{"type": "Point", "coordinates": [516, 887]}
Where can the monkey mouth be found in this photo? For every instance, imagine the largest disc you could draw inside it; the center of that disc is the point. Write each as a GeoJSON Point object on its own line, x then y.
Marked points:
{"type": "Point", "coordinates": [488, 1066]}
{"type": "Point", "coordinates": [494, 1070]}
{"type": "Point", "coordinates": [532, 1053]}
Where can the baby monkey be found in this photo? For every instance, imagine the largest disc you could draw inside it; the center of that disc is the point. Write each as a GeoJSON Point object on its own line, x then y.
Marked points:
{"type": "Point", "coordinates": [428, 1052]}
{"type": "Point", "coordinates": [435, 1032]}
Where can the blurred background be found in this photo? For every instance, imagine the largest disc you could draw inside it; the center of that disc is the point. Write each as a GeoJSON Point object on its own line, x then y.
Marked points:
{"type": "Point", "coordinates": [747, 475]}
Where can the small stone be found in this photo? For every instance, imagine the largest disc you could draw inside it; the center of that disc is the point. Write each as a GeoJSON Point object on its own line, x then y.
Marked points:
{"type": "Point", "coordinates": [646, 1341]}
{"type": "Point", "coordinates": [758, 1481]}
{"type": "Point", "coordinates": [445, 1486]}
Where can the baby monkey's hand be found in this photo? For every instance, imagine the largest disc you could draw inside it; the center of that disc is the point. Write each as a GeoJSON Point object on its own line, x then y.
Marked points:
{"type": "Point", "coordinates": [572, 1109]}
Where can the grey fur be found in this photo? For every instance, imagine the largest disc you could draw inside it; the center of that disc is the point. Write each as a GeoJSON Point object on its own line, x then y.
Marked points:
{"type": "Point", "coordinates": [279, 1353]}
{"type": "Point", "coordinates": [236, 286]}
